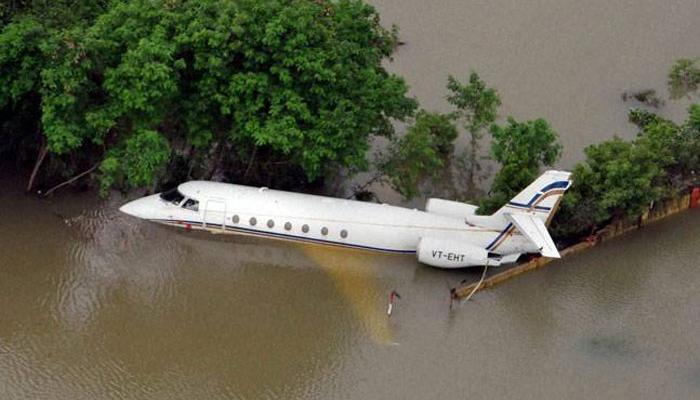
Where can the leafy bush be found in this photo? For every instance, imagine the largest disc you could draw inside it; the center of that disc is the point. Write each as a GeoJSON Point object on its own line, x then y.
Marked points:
{"type": "Point", "coordinates": [476, 108]}
{"type": "Point", "coordinates": [621, 180]}
{"type": "Point", "coordinates": [684, 78]}
{"type": "Point", "coordinates": [421, 153]}
{"type": "Point", "coordinates": [521, 148]}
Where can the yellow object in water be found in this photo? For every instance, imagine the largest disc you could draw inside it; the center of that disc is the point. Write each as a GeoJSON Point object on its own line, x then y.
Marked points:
{"type": "Point", "coordinates": [352, 273]}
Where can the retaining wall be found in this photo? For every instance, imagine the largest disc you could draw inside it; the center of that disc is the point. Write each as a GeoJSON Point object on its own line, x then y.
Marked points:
{"type": "Point", "coordinates": [616, 229]}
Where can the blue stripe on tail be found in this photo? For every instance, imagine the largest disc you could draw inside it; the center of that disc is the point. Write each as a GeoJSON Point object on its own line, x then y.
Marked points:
{"type": "Point", "coordinates": [499, 236]}
{"type": "Point", "coordinates": [551, 186]}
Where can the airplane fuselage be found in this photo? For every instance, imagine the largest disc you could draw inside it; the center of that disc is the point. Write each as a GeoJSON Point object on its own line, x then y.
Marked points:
{"type": "Point", "coordinates": [237, 209]}
{"type": "Point", "coordinates": [447, 234]}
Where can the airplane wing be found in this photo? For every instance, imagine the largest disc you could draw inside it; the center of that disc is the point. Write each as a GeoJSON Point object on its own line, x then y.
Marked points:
{"type": "Point", "coordinates": [534, 229]}
{"type": "Point", "coordinates": [510, 258]}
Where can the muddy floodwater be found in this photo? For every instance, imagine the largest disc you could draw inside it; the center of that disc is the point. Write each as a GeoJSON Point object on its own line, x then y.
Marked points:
{"type": "Point", "coordinates": [568, 61]}
{"type": "Point", "coordinates": [98, 305]}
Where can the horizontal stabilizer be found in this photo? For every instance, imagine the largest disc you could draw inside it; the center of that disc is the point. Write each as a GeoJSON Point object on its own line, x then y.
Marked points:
{"type": "Point", "coordinates": [534, 229]}
{"type": "Point", "coordinates": [510, 258]}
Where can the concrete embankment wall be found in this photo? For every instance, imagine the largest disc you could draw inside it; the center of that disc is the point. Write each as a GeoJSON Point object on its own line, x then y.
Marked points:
{"type": "Point", "coordinates": [616, 229]}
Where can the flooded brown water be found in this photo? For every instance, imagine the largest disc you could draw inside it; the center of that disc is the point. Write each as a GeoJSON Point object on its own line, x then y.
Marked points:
{"type": "Point", "coordinates": [568, 61]}
{"type": "Point", "coordinates": [97, 305]}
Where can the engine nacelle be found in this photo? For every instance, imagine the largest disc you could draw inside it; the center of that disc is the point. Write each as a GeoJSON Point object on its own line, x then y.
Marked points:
{"type": "Point", "coordinates": [448, 208]}
{"type": "Point", "coordinates": [449, 254]}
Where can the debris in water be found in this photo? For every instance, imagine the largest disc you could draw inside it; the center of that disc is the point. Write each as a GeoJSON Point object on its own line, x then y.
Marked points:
{"type": "Point", "coordinates": [392, 298]}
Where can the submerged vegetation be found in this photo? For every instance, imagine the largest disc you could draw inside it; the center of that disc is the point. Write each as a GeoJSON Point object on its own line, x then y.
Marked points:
{"type": "Point", "coordinates": [684, 78]}
{"type": "Point", "coordinates": [424, 159]}
{"type": "Point", "coordinates": [476, 108]}
{"type": "Point", "coordinates": [617, 180]}
{"type": "Point", "coordinates": [423, 153]}
{"type": "Point", "coordinates": [143, 93]}
{"type": "Point", "coordinates": [623, 179]}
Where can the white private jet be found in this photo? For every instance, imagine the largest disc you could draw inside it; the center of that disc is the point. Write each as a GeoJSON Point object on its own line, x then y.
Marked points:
{"type": "Point", "coordinates": [447, 234]}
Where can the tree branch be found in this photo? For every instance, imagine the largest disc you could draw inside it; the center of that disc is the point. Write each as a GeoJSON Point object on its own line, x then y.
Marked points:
{"type": "Point", "coordinates": [71, 180]}
{"type": "Point", "coordinates": [42, 154]}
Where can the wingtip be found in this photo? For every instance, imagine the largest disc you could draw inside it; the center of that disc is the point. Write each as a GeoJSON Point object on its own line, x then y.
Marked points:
{"type": "Point", "coordinates": [549, 254]}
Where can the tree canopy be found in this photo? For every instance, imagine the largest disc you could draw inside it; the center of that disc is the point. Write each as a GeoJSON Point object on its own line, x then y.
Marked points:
{"type": "Point", "coordinates": [622, 179]}
{"type": "Point", "coordinates": [243, 84]}
{"type": "Point", "coordinates": [422, 153]}
{"type": "Point", "coordinates": [476, 107]}
{"type": "Point", "coordinates": [521, 148]}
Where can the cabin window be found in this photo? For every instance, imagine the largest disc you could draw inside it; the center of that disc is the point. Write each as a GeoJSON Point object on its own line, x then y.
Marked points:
{"type": "Point", "coordinates": [270, 223]}
{"type": "Point", "coordinates": [191, 204]}
{"type": "Point", "coordinates": [305, 228]}
{"type": "Point", "coordinates": [253, 221]}
{"type": "Point", "coordinates": [288, 226]}
{"type": "Point", "coordinates": [172, 196]}
{"type": "Point", "coordinates": [324, 231]}
{"type": "Point", "coordinates": [343, 234]}
{"type": "Point", "coordinates": [235, 219]}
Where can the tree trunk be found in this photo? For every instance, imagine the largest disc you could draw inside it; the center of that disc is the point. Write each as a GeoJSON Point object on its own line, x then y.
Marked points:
{"type": "Point", "coordinates": [471, 171]}
{"type": "Point", "coordinates": [42, 154]}
{"type": "Point", "coordinates": [221, 147]}
{"type": "Point", "coordinates": [250, 163]}
{"type": "Point", "coordinates": [71, 180]}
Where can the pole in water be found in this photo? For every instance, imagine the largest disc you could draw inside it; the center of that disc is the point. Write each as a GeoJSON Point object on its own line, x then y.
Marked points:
{"type": "Point", "coordinates": [392, 298]}
{"type": "Point", "coordinates": [453, 296]}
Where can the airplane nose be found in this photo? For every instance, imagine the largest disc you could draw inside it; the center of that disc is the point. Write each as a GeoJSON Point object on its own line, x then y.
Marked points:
{"type": "Point", "coordinates": [136, 208]}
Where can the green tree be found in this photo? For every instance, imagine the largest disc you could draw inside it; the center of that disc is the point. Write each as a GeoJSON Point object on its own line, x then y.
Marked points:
{"type": "Point", "coordinates": [259, 88]}
{"type": "Point", "coordinates": [423, 153]}
{"type": "Point", "coordinates": [618, 179]}
{"type": "Point", "coordinates": [521, 148]}
{"type": "Point", "coordinates": [689, 154]}
{"type": "Point", "coordinates": [686, 150]}
{"type": "Point", "coordinates": [642, 117]}
{"type": "Point", "coordinates": [477, 108]}
{"type": "Point", "coordinates": [55, 13]}
{"type": "Point", "coordinates": [621, 179]}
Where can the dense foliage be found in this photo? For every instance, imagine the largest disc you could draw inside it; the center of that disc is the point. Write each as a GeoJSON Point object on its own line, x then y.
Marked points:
{"type": "Point", "coordinates": [522, 149]}
{"type": "Point", "coordinates": [476, 108]}
{"type": "Point", "coordinates": [621, 179]}
{"type": "Point", "coordinates": [425, 161]}
{"type": "Point", "coordinates": [422, 153]}
{"type": "Point", "coordinates": [254, 90]}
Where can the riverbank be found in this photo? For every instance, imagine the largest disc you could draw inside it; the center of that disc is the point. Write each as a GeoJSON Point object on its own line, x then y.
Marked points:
{"type": "Point", "coordinates": [665, 209]}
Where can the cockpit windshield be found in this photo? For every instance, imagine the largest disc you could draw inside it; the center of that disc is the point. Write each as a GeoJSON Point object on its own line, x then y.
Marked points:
{"type": "Point", "coordinates": [172, 196]}
{"type": "Point", "coordinates": [191, 204]}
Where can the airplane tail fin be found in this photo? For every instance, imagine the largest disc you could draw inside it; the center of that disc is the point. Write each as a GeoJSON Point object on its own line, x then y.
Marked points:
{"type": "Point", "coordinates": [541, 197]}
{"type": "Point", "coordinates": [532, 209]}
{"type": "Point", "coordinates": [534, 230]}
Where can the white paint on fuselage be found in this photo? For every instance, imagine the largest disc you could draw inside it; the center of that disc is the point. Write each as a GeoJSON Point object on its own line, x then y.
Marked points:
{"type": "Point", "coordinates": [368, 225]}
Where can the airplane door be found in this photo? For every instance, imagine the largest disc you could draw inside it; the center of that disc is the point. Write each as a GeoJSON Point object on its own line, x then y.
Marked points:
{"type": "Point", "coordinates": [215, 214]}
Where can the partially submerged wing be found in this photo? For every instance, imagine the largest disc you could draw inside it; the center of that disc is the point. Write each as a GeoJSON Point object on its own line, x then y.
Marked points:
{"type": "Point", "coordinates": [354, 275]}
{"type": "Point", "coordinates": [534, 229]}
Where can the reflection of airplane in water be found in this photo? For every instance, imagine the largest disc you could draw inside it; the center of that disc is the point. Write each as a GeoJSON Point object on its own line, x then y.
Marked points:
{"type": "Point", "coordinates": [447, 234]}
